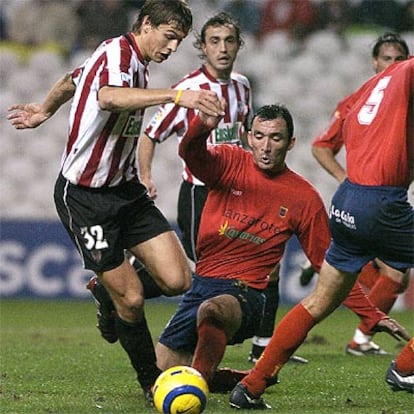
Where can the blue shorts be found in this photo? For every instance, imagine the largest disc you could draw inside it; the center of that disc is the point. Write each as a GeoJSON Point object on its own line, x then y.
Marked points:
{"type": "Point", "coordinates": [368, 222]}
{"type": "Point", "coordinates": [180, 334]}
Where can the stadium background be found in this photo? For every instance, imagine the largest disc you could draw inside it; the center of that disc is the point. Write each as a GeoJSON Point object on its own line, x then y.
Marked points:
{"type": "Point", "coordinates": [37, 259]}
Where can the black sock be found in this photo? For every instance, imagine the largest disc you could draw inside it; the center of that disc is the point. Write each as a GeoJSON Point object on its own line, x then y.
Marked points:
{"type": "Point", "coordinates": [137, 342]}
{"type": "Point", "coordinates": [267, 325]}
{"type": "Point", "coordinates": [257, 351]}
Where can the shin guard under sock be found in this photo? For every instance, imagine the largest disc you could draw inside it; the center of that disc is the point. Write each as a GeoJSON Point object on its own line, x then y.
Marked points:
{"type": "Point", "coordinates": [369, 275]}
{"type": "Point", "coordinates": [211, 346]}
{"type": "Point", "coordinates": [287, 337]}
{"type": "Point", "coordinates": [137, 343]}
{"type": "Point", "coordinates": [405, 359]}
{"type": "Point", "coordinates": [385, 292]}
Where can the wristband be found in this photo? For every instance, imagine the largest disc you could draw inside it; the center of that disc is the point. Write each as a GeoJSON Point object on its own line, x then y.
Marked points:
{"type": "Point", "coordinates": [178, 96]}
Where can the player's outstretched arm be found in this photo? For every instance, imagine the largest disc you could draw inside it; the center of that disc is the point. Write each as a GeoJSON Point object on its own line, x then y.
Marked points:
{"type": "Point", "coordinates": [31, 115]}
{"type": "Point", "coordinates": [24, 116]}
{"type": "Point", "coordinates": [211, 120]}
{"type": "Point", "coordinates": [203, 100]}
{"type": "Point", "coordinates": [193, 147]}
{"type": "Point", "coordinates": [116, 99]}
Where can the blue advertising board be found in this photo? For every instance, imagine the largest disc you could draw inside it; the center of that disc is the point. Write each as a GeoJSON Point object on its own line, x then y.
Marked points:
{"type": "Point", "coordinates": [38, 260]}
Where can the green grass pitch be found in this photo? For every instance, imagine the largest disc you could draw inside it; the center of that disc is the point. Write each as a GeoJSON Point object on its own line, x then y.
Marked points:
{"type": "Point", "coordinates": [54, 361]}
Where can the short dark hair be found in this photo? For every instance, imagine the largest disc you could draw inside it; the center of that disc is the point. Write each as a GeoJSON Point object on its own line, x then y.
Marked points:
{"type": "Point", "coordinates": [390, 37]}
{"type": "Point", "coordinates": [220, 19]}
{"type": "Point", "coordinates": [269, 112]}
{"type": "Point", "coordinates": [165, 12]}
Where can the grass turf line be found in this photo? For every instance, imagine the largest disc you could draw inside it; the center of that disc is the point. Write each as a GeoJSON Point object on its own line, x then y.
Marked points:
{"type": "Point", "coordinates": [54, 361]}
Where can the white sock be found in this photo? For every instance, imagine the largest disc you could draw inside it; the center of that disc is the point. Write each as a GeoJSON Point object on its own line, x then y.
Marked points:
{"type": "Point", "coordinates": [260, 341]}
{"type": "Point", "coordinates": [361, 338]}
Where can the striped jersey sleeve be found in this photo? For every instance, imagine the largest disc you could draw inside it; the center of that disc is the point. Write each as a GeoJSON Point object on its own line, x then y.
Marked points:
{"type": "Point", "coordinates": [172, 119]}
{"type": "Point", "coordinates": [101, 146]}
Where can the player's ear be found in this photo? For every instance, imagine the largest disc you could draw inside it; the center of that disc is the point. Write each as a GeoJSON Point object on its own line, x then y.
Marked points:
{"type": "Point", "coordinates": [249, 136]}
{"type": "Point", "coordinates": [146, 24]}
{"type": "Point", "coordinates": [292, 143]}
{"type": "Point", "coordinates": [203, 48]}
{"type": "Point", "coordinates": [375, 64]}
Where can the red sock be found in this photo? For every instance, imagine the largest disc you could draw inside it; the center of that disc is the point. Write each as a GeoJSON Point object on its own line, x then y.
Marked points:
{"type": "Point", "coordinates": [384, 293]}
{"type": "Point", "coordinates": [405, 359]}
{"type": "Point", "coordinates": [369, 275]}
{"type": "Point", "coordinates": [210, 349]}
{"type": "Point", "coordinates": [360, 304]}
{"type": "Point", "coordinates": [288, 336]}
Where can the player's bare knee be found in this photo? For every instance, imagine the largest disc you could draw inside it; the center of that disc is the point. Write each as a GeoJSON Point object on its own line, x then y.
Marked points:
{"type": "Point", "coordinates": [210, 310]}
{"type": "Point", "coordinates": [176, 289]}
{"type": "Point", "coordinates": [177, 285]}
{"type": "Point", "coordinates": [130, 307]}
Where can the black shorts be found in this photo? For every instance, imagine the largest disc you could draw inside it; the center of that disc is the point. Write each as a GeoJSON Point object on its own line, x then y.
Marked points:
{"type": "Point", "coordinates": [103, 222]}
{"type": "Point", "coordinates": [191, 201]}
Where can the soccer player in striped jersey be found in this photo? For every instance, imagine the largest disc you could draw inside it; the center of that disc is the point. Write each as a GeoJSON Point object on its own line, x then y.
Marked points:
{"type": "Point", "coordinates": [98, 196]}
{"type": "Point", "coordinates": [218, 43]}
{"type": "Point", "coordinates": [385, 283]}
{"type": "Point", "coordinates": [370, 216]}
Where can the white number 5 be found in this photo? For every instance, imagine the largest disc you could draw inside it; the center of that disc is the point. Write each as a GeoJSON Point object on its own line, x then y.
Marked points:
{"type": "Point", "coordinates": [368, 112]}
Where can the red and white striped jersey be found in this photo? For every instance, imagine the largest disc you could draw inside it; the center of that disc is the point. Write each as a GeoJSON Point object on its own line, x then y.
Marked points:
{"type": "Point", "coordinates": [172, 119]}
{"type": "Point", "coordinates": [101, 146]}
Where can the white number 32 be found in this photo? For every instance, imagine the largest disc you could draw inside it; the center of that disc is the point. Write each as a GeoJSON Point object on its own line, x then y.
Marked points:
{"type": "Point", "coordinates": [94, 238]}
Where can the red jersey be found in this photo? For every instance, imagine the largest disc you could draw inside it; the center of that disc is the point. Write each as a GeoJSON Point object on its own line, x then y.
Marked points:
{"type": "Point", "coordinates": [101, 147]}
{"type": "Point", "coordinates": [249, 215]}
{"type": "Point", "coordinates": [379, 129]}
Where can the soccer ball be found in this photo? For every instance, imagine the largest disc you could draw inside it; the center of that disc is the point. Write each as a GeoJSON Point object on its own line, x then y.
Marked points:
{"type": "Point", "coordinates": [180, 389]}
